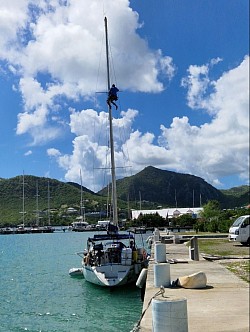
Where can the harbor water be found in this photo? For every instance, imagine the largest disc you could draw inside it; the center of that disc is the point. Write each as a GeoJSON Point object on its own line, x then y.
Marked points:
{"type": "Point", "coordinates": [37, 293]}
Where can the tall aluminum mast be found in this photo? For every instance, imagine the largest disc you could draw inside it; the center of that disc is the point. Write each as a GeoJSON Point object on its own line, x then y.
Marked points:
{"type": "Point", "coordinates": [114, 194]}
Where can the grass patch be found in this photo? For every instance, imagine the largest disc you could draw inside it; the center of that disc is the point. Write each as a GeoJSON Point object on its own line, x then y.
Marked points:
{"type": "Point", "coordinates": [222, 247]}
{"type": "Point", "coordinates": [241, 269]}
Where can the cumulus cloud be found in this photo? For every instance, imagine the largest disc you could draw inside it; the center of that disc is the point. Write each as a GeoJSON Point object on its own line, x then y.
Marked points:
{"type": "Point", "coordinates": [212, 151]}
{"type": "Point", "coordinates": [28, 153]}
{"type": "Point", "coordinates": [91, 146]}
{"type": "Point", "coordinates": [54, 48]}
{"type": "Point", "coordinates": [198, 83]}
{"type": "Point", "coordinates": [52, 152]}
{"type": "Point", "coordinates": [219, 148]}
{"type": "Point", "coordinates": [54, 54]}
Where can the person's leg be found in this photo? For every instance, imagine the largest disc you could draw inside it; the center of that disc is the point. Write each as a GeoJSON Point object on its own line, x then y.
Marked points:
{"type": "Point", "coordinates": [114, 104]}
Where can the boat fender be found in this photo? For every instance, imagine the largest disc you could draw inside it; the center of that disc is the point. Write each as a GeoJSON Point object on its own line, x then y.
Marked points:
{"type": "Point", "coordinates": [142, 278]}
{"type": "Point", "coordinates": [195, 281]}
{"type": "Point", "coordinates": [76, 272]}
{"type": "Point", "coordinates": [150, 241]}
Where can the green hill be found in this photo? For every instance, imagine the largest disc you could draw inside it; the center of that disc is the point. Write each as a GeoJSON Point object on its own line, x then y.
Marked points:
{"type": "Point", "coordinates": [236, 191]}
{"type": "Point", "coordinates": [149, 189]}
{"type": "Point", "coordinates": [62, 195]}
{"type": "Point", "coordinates": [168, 188]}
{"type": "Point", "coordinates": [240, 194]}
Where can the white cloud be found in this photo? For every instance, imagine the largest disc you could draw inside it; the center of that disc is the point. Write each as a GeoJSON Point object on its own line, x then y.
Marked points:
{"type": "Point", "coordinates": [13, 16]}
{"type": "Point", "coordinates": [198, 83]}
{"type": "Point", "coordinates": [219, 148]}
{"type": "Point", "coordinates": [55, 47]}
{"type": "Point", "coordinates": [91, 146]}
{"type": "Point", "coordinates": [212, 151]}
{"type": "Point", "coordinates": [52, 152]}
{"type": "Point", "coordinates": [28, 153]}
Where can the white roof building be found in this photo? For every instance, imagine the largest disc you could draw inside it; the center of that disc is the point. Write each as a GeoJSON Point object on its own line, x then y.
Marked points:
{"type": "Point", "coordinates": [170, 212]}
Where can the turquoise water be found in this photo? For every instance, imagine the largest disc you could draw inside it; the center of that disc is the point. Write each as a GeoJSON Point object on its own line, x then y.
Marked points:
{"type": "Point", "coordinates": [37, 293]}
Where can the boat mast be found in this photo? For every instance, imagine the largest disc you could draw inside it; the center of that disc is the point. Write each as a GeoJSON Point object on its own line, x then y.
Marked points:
{"type": "Point", "coordinates": [82, 207]}
{"type": "Point", "coordinates": [48, 215]}
{"type": "Point", "coordinates": [37, 210]}
{"type": "Point", "coordinates": [114, 195]}
{"type": "Point", "coordinates": [23, 212]}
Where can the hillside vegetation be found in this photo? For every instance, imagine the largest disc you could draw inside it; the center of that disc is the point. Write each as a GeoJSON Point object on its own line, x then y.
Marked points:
{"type": "Point", "coordinates": [154, 186]}
{"type": "Point", "coordinates": [59, 198]}
{"type": "Point", "coordinates": [170, 189]}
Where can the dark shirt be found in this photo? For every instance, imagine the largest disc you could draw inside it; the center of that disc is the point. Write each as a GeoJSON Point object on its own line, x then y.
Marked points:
{"type": "Point", "coordinates": [113, 91]}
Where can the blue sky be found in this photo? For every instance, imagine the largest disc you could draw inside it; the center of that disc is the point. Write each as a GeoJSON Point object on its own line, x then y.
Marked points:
{"type": "Point", "coordinates": [183, 70]}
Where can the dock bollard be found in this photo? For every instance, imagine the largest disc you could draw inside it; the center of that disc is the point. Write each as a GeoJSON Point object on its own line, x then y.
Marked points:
{"type": "Point", "coordinates": [194, 249]}
{"type": "Point", "coordinates": [156, 235]}
{"type": "Point", "coordinates": [160, 252]}
{"type": "Point", "coordinates": [169, 314]}
{"type": "Point", "coordinates": [176, 239]}
{"type": "Point", "coordinates": [162, 275]}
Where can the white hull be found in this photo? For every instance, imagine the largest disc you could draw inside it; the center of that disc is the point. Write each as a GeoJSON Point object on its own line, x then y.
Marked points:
{"type": "Point", "coordinates": [112, 275]}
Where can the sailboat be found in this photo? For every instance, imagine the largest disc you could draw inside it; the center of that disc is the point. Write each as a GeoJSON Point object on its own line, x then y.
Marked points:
{"type": "Point", "coordinates": [36, 228]}
{"type": "Point", "coordinates": [48, 228]}
{"type": "Point", "coordinates": [21, 228]}
{"type": "Point", "coordinates": [81, 224]}
{"type": "Point", "coordinates": [112, 259]}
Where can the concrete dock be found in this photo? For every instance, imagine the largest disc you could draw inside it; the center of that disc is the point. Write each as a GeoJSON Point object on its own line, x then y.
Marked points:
{"type": "Point", "coordinates": [222, 306]}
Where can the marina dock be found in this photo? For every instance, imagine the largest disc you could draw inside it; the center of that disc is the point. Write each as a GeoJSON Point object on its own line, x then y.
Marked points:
{"type": "Point", "coordinates": [222, 306]}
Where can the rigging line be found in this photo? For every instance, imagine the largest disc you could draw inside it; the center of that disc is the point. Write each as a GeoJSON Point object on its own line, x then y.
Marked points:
{"type": "Point", "coordinates": [112, 63]}
{"type": "Point", "coordinates": [122, 139]}
{"type": "Point", "coordinates": [103, 9]}
{"type": "Point", "coordinates": [95, 152]}
{"type": "Point", "coordinates": [102, 130]}
{"type": "Point", "coordinates": [94, 159]}
{"type": "Point", "coordinates": [99, 66]}
{"type": "Point", "coordinates": [125, 151]}
{"type": "Point", "coordinates": [109, 167]}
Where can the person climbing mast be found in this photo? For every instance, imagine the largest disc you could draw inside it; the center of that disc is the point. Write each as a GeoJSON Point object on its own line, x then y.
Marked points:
{"type": "Point", "coordinates": [112, 96]}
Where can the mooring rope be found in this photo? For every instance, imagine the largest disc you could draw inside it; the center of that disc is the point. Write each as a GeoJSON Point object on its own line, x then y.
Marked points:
{"type": "Point", "coordinates": [137, 326]}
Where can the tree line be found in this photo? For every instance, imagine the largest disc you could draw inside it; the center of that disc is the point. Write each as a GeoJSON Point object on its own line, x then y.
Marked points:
{"type": "Point", "coordinates": [212, 219]}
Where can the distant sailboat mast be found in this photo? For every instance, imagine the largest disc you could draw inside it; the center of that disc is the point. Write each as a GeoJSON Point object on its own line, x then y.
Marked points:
{"type": "Point", "coordinates": [175, 198]}
{"type": "Point", "coordinates": [113, 175]}
{"type": "Point", "coordinates": [23, 212]}
{"type": "Point", "coordinates": [48, 203]}
{"type": "Point", "coordinates": [37, 209]}
{"type": "Point", "coordinates": [82, 207]}
{"type": "Point", "coordinates": [140, 198]}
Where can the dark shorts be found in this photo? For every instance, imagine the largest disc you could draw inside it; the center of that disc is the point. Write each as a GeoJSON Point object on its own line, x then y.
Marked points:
{"type": "Point", "coordinates": [112, 98]}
